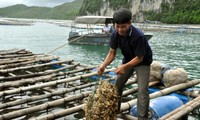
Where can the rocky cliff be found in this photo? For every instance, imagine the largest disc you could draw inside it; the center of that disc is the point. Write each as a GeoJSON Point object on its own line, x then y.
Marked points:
{"type": "Point", "coordinates": [139, 8]}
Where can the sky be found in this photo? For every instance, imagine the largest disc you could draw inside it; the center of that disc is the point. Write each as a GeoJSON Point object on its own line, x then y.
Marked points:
{"type": "Point", "coordinates": [43, 3]}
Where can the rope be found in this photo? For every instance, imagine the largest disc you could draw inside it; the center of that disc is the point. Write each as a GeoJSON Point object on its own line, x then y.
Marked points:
{"type": "Point", "coordinates": [57, 48]}
{"type": "Point", "coordinates": [64, 44]}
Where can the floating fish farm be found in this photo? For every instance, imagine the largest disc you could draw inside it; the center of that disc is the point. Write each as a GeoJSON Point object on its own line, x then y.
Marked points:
{"type": "Point", "coordinates": [44, 87]}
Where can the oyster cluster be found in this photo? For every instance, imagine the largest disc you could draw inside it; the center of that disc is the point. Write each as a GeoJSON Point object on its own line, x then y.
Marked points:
{"type": "Point", "coordinates": [102, 104]}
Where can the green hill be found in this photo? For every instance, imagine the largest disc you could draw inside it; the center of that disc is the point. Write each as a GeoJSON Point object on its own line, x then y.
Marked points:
{"type": "Point", "coordinates": [179, 12]}
{"type": "Point", "coordinates": [183, 12]}
{"type": "Point", "coordinates": [64, 11]}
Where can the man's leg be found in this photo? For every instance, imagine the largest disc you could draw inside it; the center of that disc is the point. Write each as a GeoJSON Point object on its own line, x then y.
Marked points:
{"type": "Point", "coordinates": [142, 73]}
{"type": "Point", "coordinates": [120, 82]}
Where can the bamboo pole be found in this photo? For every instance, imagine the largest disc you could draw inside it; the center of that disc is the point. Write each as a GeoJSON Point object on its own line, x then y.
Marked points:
{"type": "Point", "coordinates": [182, 110]}
{"type": "Point", "coordinates": [39, 97]}
{"type": "Point", "coordinates": [18, 102]}
{"type": "Point", "coordinates": [128, 105]}
{"type": "Point", "coordinates": [82, 65]}
{"type": "Point", "coordinates": [52, 116]}
{"type": "Point", "coordinates": [47, 75]}
{"type": "Point", "coordinates": [9, 104]}
{"type": "Point", "coordinates": [52, 83]}
{"type": "Point", "coordinates": [16, 55]}
{"type": "Point", "coordinates": [48, 105]}
{"type": "Point", "coordinates": [34, 66]}
{"type": "Point", "coordinates": [9, 78]}
{"type": "Point", "coordinates": [130, 81]}
{"type": "Point", "coordinates": [12, 51]}
{"type": "Point", "coordinates": [126, 116]}
{"type": "Point", "coordinates": [186, 93]}
{"type": "Point", "coordinates": [27, 81]}
{"type": "Point", "coordinates": [8, 50]}
{"type": "Point", "coordinates": [49, 90]}
{"type": "Point", "coordinates": [25, 63]}
{"type": "Point", "coordinates": [38, 56]}
{"type": "Point", "coordinates": [5, 61]}
{"type": "Point", "coordinates": [30, 76]}
{"type": "Point", "coordinates": [191, 94]}
{"type": "Point", "coordinates": [18, 60]}
{"type": "Point", "coordinates": [60, 92]}
{"type": "Point", "coordinates": [60, 69]}
{"type": "Point", "coordinates": [44, 106]}
{"type": "Point", "coordinates": [128, 92]}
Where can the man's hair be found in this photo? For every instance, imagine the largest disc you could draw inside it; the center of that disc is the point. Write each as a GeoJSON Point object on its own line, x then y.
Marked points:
{"type": "Point", "coordinates": [122, 16]}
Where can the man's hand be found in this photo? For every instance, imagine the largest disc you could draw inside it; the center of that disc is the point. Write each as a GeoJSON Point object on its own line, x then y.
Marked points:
{"type": "Point", "coordinates": [120, 69]}
{"type": "Point", "coordinates": [101, 69]}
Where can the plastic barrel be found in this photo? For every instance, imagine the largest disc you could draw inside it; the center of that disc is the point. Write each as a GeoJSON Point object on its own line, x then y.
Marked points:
{"type": "Point", "coordinates": [184, 98]}
{"type": "Point", "coordinates": [160, 106]}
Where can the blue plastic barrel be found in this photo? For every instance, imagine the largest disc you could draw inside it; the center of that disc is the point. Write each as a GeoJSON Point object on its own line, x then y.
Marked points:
{"type": "Point", "coordinates": [160, 106]}
{"type": "Point", "coordinates": [184, 98]}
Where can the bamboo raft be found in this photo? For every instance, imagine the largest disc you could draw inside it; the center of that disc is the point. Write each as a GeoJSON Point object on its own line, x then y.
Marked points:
{"type": "Point", "coordinates": [43, 87]}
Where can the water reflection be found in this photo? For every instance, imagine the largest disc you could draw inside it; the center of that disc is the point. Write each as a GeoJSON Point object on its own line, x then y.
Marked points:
{"type": "Point", "coordinates": [178, 50]}
{"type": "Point", "coordinates": [175, 49]}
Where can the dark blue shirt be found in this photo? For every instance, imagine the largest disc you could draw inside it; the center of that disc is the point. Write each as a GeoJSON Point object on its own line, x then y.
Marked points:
{"type": "Point", "coordinates": [132, 45]}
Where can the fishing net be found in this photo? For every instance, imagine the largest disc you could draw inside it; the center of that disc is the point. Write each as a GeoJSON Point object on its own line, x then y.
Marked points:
{"type": "Point", "coordinates": [102, 104]}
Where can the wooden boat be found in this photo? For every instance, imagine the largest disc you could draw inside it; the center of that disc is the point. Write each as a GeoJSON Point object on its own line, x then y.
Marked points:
{"type": "Point", "coordinates": [90, 36]}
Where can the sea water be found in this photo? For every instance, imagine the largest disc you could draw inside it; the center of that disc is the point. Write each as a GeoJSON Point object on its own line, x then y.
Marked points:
{"type": "Point", "coordinates": [174, 49]}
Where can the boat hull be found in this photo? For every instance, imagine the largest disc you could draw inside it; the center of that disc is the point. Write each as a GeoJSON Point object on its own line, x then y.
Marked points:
{"type": "Point", "coordinates": [93, 39]}
{"type": "Point", "coordinates": [90, 39]}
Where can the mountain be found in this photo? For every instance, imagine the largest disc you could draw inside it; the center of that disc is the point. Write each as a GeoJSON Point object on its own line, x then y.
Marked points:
{"type": "Point", "coordinates": [166, 11]}
{"type": "Point", "coordinates": [64, 11]}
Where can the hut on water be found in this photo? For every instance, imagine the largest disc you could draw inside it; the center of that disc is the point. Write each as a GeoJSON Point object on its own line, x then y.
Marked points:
{"type": "Point", "coordinates": [44, 87]}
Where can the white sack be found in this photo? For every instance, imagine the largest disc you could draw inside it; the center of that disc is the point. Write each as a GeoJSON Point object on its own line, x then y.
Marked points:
{"type": "Point", "coordinates": [174, 77]}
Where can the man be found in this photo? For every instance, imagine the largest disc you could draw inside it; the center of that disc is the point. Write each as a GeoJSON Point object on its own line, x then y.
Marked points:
{"type": "Point", "coordinates": [106, 29]}
{"type": "Point", "coordinates": [137, 57]}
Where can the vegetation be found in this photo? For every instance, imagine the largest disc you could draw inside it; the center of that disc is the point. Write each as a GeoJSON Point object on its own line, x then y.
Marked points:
{"type": "Point", "coordinates": [116, 4]}
{"type": "Point", "coordinates": [65, 11]}
{"type": "Point", "coordinates": [92, 6]}
{"type": "Point", "coordinates": [183, 11]}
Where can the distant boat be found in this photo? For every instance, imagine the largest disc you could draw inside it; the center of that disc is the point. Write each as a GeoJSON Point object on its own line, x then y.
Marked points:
{"type": "Point", "coordinates": [89, 36]}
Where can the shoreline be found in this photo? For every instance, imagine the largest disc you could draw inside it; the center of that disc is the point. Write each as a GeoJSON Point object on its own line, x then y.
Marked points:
{"type": "Point", "coordinates": [179, 28]}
